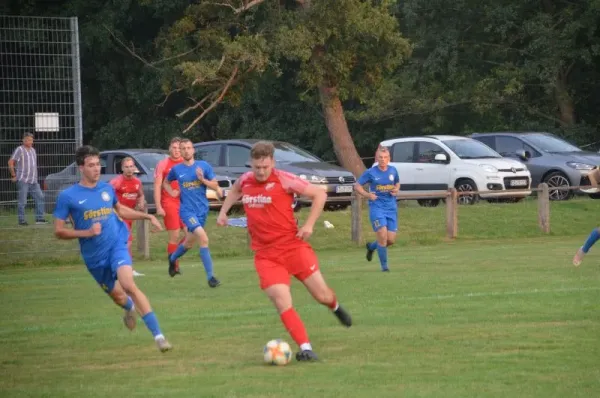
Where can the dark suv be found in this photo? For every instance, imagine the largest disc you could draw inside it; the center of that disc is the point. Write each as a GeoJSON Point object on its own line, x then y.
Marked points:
{"type": "Point", "coordinates": [549, 159]}
{"type": "Point", "coordinates": [232, 158]}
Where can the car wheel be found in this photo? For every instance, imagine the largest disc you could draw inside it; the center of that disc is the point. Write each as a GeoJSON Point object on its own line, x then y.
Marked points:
{"type": "Point", "coordinates": [466, 185]}
{"type": "Point", "coordinates": [428, 202]}
{"type": "Point", "coordinates": [555, 180]}
{"type": "Point", "coordinates": [296, 205]}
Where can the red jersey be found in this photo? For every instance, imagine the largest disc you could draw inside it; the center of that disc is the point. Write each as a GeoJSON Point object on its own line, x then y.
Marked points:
{"type": "Point", "coordinates": [162, 170]}
{"type": "Point", "coordinates": [268, 207]}
{"type": "Point", "coordinates": [127, 190]}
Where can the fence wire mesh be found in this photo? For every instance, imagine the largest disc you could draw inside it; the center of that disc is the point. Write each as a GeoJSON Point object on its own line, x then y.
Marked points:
{"type": "Point", "coordinates": [40, 93]}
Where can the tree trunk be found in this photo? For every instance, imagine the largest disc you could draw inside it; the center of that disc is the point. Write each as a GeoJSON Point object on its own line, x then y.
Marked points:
{"type": "Point", "coordinates": [343, 144]}
{"type": "Point", "coordinates": [564, 101]}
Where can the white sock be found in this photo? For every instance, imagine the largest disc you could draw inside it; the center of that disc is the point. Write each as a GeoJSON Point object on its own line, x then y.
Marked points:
{"type": "Point", "coordinates": [305, 347]}
{"type": "Point", "coordinates": [158, 337]}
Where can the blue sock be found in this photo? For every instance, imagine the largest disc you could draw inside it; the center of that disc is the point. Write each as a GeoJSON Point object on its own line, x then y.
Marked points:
{"type": "Point", "coordinates": [128, 305]}
{"type": "Point", "coordinates": [152, 323]}
{"type": "Point", "coordinates": [594, 236]}
{"type": "Point", "coordinates": [207, 261]}
{"type": "Point", "coordinates": [180, 251]}
{"type": "Point", "coordinates": [372, 245]}
{"type": "Point", "coordinates": [382, 253]}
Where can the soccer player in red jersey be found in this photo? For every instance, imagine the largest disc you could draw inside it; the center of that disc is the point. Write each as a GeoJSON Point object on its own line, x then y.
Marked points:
{"type": "Point", "coordinates": [130, 193]}
{"type": "Point", "coordinates": [167, 205]}
{"type": "Point", "coordinates": [280, 246]}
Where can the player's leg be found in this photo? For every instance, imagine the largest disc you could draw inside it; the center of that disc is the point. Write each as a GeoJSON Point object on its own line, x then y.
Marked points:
{"type": "Point", "coordinates": [202, 239]}
{"type": "Point", "coordinates": [303, 263]}
{"type": "Point", "coordinates": [103, 275]}
{"type": "Point", "coordinates": [275, 282]}
{"type": "Point", "coordinates": [379, 223]}
{"type": "Point", "coordinates": [392, 229]}
{"type": "Point", "coordinates": [587, 245]}
{"type": "Point", "coordinates": [120, 264]}
{"type": "Point", "coordinates": [173, 226]}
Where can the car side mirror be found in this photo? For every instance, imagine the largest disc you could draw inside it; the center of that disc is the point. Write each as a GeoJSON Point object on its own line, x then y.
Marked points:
{"type": "Point", "coordinates": [522, 154]}
{"type": "Point", "coordinates": [441, 157]}
{"type": "Point", "coordinates": [248, 165]}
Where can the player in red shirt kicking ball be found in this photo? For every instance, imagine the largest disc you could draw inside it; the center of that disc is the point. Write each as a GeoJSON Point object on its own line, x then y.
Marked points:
{"type": "Point", "coordinates": [130, 193]}
{"type": "Point", "coordinates": [280, 246]}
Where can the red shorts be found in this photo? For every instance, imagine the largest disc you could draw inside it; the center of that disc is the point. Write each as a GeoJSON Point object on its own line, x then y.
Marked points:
{"type": "Point", "coordinates": [172, 220]}
{"type": "Point", "coordinates": [275, 265]}
{"type": "Point", "coordinates": [129, 224]}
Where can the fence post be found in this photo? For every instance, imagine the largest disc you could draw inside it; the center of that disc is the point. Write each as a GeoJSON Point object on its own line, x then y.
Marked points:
{"type": "Point", "coordinates": [452, 213]}
{"type": "Point", "coordinates": [544, 208]}
{"type": "Point", "coordinates": [143, 236]}
{"type": "Point", "coordinates": [356, 207]}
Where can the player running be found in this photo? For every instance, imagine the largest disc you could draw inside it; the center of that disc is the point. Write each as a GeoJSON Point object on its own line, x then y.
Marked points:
{"type": "Point", "coordinates": [384, 184]}
{"type": "Point", "coordinates": [94, 210]}
{"type": "Point", "coordinates": [280, 247]}
{"type": "Point", "coordinates": [167, 205]}
{"type": "Point", "coordinates": [193, 176]}
{"type": "Point", "coordinates": [130, 193]}
{"type": "Point", "coordinates": [593, 237]}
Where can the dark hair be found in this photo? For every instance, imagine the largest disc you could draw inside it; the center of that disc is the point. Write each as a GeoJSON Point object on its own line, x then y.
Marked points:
{"type": "Point", "coordinates": [262, 149]}
{"type": "Point", "coordinates": [84, 152]}
{"type": "Point", "coordinates": [185, 141]}
{"type": "Point", "coordinates": [175, 140]}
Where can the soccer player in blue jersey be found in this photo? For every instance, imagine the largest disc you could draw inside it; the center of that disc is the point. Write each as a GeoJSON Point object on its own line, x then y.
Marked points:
{"type": "Point", "coordinates": [384, 184]}
{"type": "Point", "coordinates": [193, 176]}
{"type": "Point", "coordinates": [96, 215]}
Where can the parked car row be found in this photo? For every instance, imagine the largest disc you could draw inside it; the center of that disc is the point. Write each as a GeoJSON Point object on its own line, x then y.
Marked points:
{"type": "Point", "coordinates": [501, 166]}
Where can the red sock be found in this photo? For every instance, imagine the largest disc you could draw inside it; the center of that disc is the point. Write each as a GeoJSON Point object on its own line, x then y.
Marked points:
{"type": "Point", "coordinates": [334, 303]}
{"type": "Point", "coordinates": [171, 247]}
{"type": "Point", "coordinates": [294, 326]}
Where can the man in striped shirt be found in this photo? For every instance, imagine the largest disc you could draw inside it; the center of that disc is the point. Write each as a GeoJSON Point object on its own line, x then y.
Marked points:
{"type": "Point", "coordinates": [23, 170]}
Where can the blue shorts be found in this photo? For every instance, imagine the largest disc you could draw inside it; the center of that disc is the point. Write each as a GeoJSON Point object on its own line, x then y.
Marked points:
{"type": "Point", "coordinates": [104, 271]}
{"type": "Point", "coordinates": [193, 220]}
{"type": "Point", "coordinates": [380, 219]}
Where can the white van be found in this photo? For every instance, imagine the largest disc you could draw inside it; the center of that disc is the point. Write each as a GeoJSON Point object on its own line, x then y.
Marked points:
{"type": "Point", "coordinates": [433, 164]}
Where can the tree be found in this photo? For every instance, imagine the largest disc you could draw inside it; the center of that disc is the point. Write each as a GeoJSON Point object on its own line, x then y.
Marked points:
{"type": "Point", "coordinates": [341, 50]}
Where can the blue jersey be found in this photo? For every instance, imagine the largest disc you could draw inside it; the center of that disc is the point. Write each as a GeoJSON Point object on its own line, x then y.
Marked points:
{"type": "Point", "coordinates": [381, 183]}
{"type": "Point", "coordinates": [87, 206]}
{"type": "Point", "coordinates": [192, 192]}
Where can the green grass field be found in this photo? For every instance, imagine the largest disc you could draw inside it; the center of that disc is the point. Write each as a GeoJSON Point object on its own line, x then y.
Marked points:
{"type": "Point", "coordinates": [500, 312]}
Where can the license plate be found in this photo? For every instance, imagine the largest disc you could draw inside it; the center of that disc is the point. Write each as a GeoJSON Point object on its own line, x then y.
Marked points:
{"type": "Point", "coordinates": [344, 189]}
{"type": "Point", "coordinates": [518, 183]}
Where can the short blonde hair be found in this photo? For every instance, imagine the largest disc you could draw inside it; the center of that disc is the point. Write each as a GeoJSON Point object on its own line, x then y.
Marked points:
{"type": "Point", "coordinates": [262, 149]}
{"type": "Point", "coordinates": [125, 160]}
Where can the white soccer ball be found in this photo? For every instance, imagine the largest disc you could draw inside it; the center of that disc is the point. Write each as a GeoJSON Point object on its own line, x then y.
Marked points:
{"type": "Point", "coordinates": [277, 352]}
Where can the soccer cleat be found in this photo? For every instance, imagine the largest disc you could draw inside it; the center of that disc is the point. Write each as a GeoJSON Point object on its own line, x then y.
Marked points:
{"type": "Point", "coordinates": [306, 355]}
{"type": "Point", "coordinates": [163, 344]}
{"type": "Point", "coordinates": [214, 282]}
{"type": "Point", "coordinates": [385, 270]}
{"type": "Point", "coordinates": [343, 316]}
{"type": "Point", "coordinates": [369, 253]}
{"type": "Point", "coordinates": [172, 269]}
{"type": "Point", "coordinates": [41, 222]}
{"type": "Point", "coordinates": [578, 258]}
{"type": "Point", "coordinates": [129, 319]}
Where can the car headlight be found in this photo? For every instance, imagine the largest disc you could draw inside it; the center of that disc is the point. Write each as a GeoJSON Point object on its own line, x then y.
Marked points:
{"type": "Point", "coordinates": [580, 166]}
{"type": "Point", "coordinates": [489, 168]}
{"type": "Point", "coordinates": [313, 178]}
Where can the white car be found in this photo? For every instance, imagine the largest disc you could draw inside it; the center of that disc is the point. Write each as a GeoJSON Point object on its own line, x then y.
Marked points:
{"type": "Point", "coordinates": [430, 165]}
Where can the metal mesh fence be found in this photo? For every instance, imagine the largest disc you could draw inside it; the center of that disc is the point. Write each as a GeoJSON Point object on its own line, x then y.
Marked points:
{"type": "Point", "coordinates": [40, 93]}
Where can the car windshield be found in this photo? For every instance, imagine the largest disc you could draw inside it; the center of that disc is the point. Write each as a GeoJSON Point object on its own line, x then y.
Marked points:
{"type": "Point", "coordinates": [471, 149]}
{"type": "Point", "coordinates": [550, 143]}
{"type": "Point", "coordinates": [150, 159]}
{"type": "Point", "coordinates": [288, 153]}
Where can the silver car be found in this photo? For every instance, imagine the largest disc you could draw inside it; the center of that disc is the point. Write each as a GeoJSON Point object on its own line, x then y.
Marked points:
{"type": "Point", "coordinates": [549, 159]}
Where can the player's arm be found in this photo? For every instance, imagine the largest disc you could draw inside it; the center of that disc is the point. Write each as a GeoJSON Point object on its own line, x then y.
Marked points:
{"type": "Point", "coordinates": [396, 190]}
{"type": "Point", "coordinates": [62, 212]}
{"type": "Point", "coordinates": [207, 176]}
{"type": "Point", "coordinates": [158, 180]}
{"type": "Point", "coordinates": [141, 200]}
{"type": "Point", "coordinates": [234, 194]}
{"type": "Point", "coordinates": [300, 187]}
{"type": "Point", "coordinates": [362, 180]}
{"type": "Point", "coordinates": [166, 184]}
{"type": "Point", "coordinates": [128, 213]}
